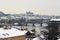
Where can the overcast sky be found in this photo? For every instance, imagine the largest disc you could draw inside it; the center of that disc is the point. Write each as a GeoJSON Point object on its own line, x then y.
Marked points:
{"type": "Point", "coordinates": [42, 7]}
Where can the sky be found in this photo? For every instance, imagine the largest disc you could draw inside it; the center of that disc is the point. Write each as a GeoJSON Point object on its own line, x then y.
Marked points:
{"type": "Point", "coordinates": [42, 7]}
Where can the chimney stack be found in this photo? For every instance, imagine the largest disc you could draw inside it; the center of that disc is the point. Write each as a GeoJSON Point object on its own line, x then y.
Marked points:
{"type": "Point", "coordinates": [7, 27]}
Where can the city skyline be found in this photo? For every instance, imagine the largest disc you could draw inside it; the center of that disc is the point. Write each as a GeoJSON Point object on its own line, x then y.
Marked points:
{"type": "Point", "coordinates": [42, 7]}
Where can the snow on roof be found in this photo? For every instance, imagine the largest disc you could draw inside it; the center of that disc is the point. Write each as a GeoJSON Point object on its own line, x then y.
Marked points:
{"type": "Point", "coordinates": [37, 38]}
{"type": "Point", "coordinates": [4, 33]}
{"type": "Point", "coordinates": [55, 20]}
{"type": "Point", "coordinates": [58, 39]}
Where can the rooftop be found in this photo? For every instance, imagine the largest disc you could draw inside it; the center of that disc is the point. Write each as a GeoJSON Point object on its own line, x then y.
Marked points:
{"type": "Point", "coordinates": [4, 33]}
{"type": "Point", "coordinates": [55, 20]}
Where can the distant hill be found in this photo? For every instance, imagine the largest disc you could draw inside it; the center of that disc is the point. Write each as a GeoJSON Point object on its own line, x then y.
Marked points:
{"type": "Point", "coordinates": [2, 14]}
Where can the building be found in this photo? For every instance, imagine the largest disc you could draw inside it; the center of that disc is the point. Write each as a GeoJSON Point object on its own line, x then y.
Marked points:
{"type": "Point", "coordinates": [8, 33]}
{"type": "Point", "coordinates": [54, 29]}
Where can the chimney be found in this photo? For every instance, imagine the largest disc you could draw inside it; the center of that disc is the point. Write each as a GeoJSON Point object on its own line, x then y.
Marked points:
{"type": "Point", "coordinates": [6, 27]}
{"type": "Point", "coordinates": [9, 27]}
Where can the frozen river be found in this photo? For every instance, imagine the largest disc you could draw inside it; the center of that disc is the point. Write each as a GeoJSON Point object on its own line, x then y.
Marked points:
{"type": "Point", "coordinates": [37, 28]}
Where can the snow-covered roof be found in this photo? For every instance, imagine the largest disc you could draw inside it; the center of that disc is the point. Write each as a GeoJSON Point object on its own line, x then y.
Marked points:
{"type": "Point", "coordinates": [55, 20]}
{"type": "Point", "coordinates": [5, 33]}
{"type": "Point", "coordinates": [37, 38]}
{"type": "Point", "coordinates": [58, 39]}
